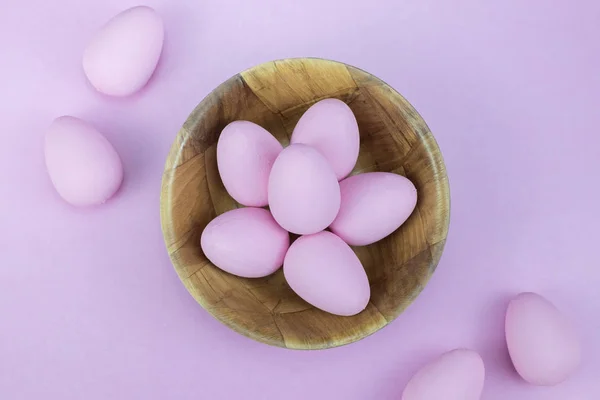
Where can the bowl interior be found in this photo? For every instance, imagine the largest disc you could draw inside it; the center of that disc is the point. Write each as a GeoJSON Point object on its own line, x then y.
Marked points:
{"type": "Point", "coordinates": [394, 138]}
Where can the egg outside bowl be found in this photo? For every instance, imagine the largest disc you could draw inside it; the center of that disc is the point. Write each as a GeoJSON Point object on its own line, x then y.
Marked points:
{"type": "Point", "coordinates": [394, 138]}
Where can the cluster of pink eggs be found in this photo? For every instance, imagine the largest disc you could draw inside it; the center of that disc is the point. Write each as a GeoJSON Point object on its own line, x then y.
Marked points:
{"type": "Point", "coordinates": [541, 342]}
{"type": "Point", "coordinates": [307, 191]}
{"type": "Point", "coordinates": [118, 60]}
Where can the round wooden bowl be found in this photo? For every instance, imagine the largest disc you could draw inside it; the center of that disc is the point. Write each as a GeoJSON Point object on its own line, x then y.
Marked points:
{"type": "Point", "coordinates": [394, 138]}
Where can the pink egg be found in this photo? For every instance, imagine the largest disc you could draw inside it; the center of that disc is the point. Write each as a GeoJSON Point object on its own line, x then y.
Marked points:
{"type": "Point", "coordinates": [542, 343]}
{"type": "Point", "coordinates": [373, 206]}
{"type": "Point", "coordinates": [245, 154]}
{"type": "Point", "coordinates": [83, 166]}
{"type": "Point", "coordinates": [456, 375]}
{"type": "Point", "coordinates": [325, 272]}
{"type": "Point", "coordinates": [330, 127]}
{"type": "Point", "coordinates": [304, 194]}
{"type": "Point", "coordinates": [246, 242]}
{"type": "Point", "coordinates": [123, 54]}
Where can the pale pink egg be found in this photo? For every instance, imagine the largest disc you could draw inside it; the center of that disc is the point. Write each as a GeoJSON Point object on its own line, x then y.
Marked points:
{"type": "Point", "coordinates": [542, 343]}
{"type": "Point", "coordinates": [456, 375]}
{"type": "Point", "coordinates": [304, 194]}
{"type": "Point", "coordinates": [373, 206]}
{"type": "Point", "coordinates": [325, 272]}
{"type": "Point", "coordinates": [330, 127]}
{"type": "Point", "coordinates": [122, 55]}
{"type": "Point", "coordinates": [245, 154]}
{"type": "Point", "coordinates": [83, 166]}
{"type": "Point", "coordinates": [246, 242]}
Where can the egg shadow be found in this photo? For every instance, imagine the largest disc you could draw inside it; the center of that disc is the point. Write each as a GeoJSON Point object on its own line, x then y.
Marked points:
{"type": "Point", "coordinates": [492, 347]}
{"type": "Point", "coordinates": [132, 139]}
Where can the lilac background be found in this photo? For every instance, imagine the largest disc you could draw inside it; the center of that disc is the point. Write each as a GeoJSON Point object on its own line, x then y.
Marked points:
{"type": "Point", "coordinates": [90, 307]}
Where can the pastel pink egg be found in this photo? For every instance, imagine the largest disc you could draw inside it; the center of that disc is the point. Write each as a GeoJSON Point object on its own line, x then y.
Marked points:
{"type": "Point", "coordinates": [325, 272]}
{"type": "Point", "coordinates": [456, 375]}
{"type": "Point", "coordinates": [373, 205]}
{"type": "Point", "coordinates": [83, 166]}
{"type": "Point", "coordinates": [304, 194]}
{"type": "Point", "coordinates": [542, 343]}
{"type": "Point", "coordinates": [122, 55]}
{"type": "Point", "coordinates": [246, 242]}
{"type": "Point", "coordinates": [330, 127]}
{"type": "Point", "coordinates": [245, 155]}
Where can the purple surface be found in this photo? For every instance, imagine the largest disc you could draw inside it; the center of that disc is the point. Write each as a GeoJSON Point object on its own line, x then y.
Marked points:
{"type": "Point", "coordinates": [90, 306]}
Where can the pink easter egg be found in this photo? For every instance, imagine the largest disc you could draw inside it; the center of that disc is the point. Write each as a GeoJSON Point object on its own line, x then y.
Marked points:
{"type": "Point", "coordinates": [304, 194]}
{"type": "Point", "coordinates": [122, 55]}
{"type": "Point", "coordinates": [373, 205]}
{"type": "Point", "coordinates": [83, 166]}
{"type": "Point", "coordinates": [542, 343]}
{"type": "Point", "coordinates": [245, 155]}
{"type": "Point", "coordinates": [330, 127]}
{"type": "Point", "coordinates": [456, 375]}
{"type": "Point", "coordinates": [325, 272]}
{"type": "Point", "coordinates": [246, 242]}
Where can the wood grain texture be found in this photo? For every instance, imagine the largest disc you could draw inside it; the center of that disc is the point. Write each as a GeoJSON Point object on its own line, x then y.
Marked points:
{"type": "Point", "coordinates": [394, 138]}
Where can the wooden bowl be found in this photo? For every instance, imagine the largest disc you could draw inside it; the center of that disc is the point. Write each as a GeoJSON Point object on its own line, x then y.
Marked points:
{"type": "Point", "coordinates": [394, 138]}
